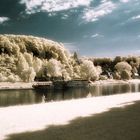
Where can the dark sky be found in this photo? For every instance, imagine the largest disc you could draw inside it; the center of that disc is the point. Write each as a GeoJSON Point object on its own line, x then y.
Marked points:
{"type": "Point", "coordinates": [91, 27]}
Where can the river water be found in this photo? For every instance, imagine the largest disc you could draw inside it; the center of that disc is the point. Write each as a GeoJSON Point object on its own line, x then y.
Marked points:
{"type": "Point", "coordinates": [23, 97]}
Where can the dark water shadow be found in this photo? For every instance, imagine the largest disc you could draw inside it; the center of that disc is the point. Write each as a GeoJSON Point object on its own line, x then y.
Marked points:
{"type": "Point", "coordinates": [18, 97]}
{"type": "Point", "coordinates": [116, 124]}
{"type": "Point", "coordinates": [25, 97]}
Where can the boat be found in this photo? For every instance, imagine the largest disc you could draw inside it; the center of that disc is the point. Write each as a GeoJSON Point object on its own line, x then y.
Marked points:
{"type": "Point", "coordinates": [43, 85]}
{"type": "Point", "coordinates": [77, 83]}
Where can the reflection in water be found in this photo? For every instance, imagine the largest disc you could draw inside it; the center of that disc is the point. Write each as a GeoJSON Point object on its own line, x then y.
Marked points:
{"type": "Point", "coordinates": [16, 97]}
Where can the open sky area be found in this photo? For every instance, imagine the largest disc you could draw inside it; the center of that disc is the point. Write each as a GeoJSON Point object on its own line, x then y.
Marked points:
{"type": "Point", "coordinates": [90, 27]}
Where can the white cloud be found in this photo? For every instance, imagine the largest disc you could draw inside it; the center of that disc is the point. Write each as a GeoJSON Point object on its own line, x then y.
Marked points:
{"type": "Point", "coordinates": [104, 1]}
{"type": "Point", "coordinates": [3, 19]}
{"type": "Point", "coordinates": [65, 16]}
{"type": "Point", "coordinates": [90, 13]}
{"type": "Point", "coordinates": [103, 9]}
{"type": "Point", "coordinates": [124, 1]}
{"type": "Point", "coordinates": [96, 35]}
{"type": "Point", "coordinates": [136, 17]}
{"type": "Point", "coordinates": [132, 19]}
{"type": "Point", "coordinates": [33, 6]}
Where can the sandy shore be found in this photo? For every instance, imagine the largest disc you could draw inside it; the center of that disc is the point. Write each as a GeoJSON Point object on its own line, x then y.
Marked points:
{"type": "Point", "coordinates": [117, 124]}
{"type": "Point", "coordinates": [23, 85]}
{"type": "Point", "coordinates": [112, 81]}
{"type": "Point", "coordinates": [33, 119]}
{"type": "Point", "coordinates": [17, 85]}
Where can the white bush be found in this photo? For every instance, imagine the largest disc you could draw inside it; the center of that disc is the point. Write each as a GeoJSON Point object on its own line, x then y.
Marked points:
{"type": "Point", "coordinates": [54, 68]}
{"type": "Point", "coordinates": [2, 78]}
{"type": "Point", "coordinates": [124, 70]}
{"type": "Point", "coordinates": [37, 64]}
{"type": "Point", "coordinates": [89, 71]}
{"type": "Point", "coordinates": [22, 64]}
{"type": "Point", "coordinates": [29, 59]}
{"type": "Point", "coordinates": [121, 66]}
{"type": "Point", "coordinates": [13, 78]}
{"type": "Point", "coordinates": [28, 75]}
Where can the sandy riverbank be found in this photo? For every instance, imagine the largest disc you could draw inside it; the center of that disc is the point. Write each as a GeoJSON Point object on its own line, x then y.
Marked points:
{"type": "Point", "coordinates": [117, 124]}
{"type": "Point", "coordinates": [23, 85]}
{"type": "Point", "coordinates": [29, 118]}
{"type": "Point", "coordinates": [17, 85]}
{"type": "Point", "coordinates": [112, 81]}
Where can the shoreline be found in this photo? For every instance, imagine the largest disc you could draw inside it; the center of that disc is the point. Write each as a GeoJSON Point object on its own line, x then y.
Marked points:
{"type": "Point", "coordinates": [104, 126]}
{"type": "Point", "coordinates": [14, 86]}
{"type": "Point", "coordinates": [38, 117]}
{"type": "Point", "coordinates": [23, 85]}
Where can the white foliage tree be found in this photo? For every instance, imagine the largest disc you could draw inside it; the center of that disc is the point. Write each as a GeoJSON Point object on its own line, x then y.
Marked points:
{"type": "Point", "coordinates": [89, 71]}
{"type": "Point", "coordinates": [66, 75]}
{"type": "Point", "coordinates": [22, 64]}
{"type": "Point", "coordinates": [29, 59]}
{"type": "Point", "coordinates": [13, 78]}
{"type": "Point", "coordinates": [124, 70]}
{"type": "Point", "coordinates": [121, 66]}
{"type": "Point", "coordinates": [37, 64]}
{"type": "Point", "coordinates": [2, 78]}
{"type": "Point", "coordinates": [54, 68]}
{"type": "Point", "coordinates": [28, 75]}
{"type": "Point", "coordinates": [26, 72]}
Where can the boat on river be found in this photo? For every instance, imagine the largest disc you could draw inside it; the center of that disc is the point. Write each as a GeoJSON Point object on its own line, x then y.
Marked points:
{"type": "Point", "coordinates": [60, 84]}
{"type": "Point", "coordinates": [43, 85]}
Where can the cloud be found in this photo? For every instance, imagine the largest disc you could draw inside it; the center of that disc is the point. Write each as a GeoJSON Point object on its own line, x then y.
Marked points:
{"type": "Point", "coordinates": [65, 16]}
{"type": "Point", "coordinates": [124, 1]}
{"type": "Point", "coordinates": [3, 19]}
{"type": "Point", "coordinates": [90, 12]}
{"type": "Point", "coordinates": [93, 14]}
{"type": "Point", "coordinates": [130, 20]}
{"type": "Point", "coordinates": [33, 6]}
{"type": "Point", "coordinates": [136, 17]}
{"type": "Point", "coordinates": [96, 35]}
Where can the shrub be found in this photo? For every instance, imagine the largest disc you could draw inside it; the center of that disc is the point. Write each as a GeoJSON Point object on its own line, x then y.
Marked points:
{"type": "Point", "coordinates": [103, 77]}
{"type": "Point", "coordinates": [125, 75]}
{"type": "Point", "coordinates": [89, 71]}
{"type": "Point", "coordinates": [124, 70]}
{"type": "Point", "coordinates": [54, 68]}
{"type": "Point", "coordinates": [101, 61]}
{"type": "Point", "coordinates": [117, 59]}
{"type": "Point", "coordinates": [121, 66]}
{"type": "Point", "coordinates": [116, 76]}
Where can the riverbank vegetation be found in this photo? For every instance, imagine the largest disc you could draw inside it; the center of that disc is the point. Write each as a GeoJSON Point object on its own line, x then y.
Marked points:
{"type": "Point", "coordinates": [28, 58]}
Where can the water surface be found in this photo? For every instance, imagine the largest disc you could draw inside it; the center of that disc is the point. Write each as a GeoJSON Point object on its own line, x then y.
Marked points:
{"type": "Point", "coordinates": [22, 97]}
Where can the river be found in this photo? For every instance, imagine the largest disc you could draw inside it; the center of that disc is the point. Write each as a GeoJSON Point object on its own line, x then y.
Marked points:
{"type": "Point", "coordinates": [23, 97]}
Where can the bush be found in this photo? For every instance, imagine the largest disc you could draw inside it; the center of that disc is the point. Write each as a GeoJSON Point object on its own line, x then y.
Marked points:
{"type": "Point", "coordinates": [103, 77]}
{"type": "Point", "coordinates": [117, 59]}
{"type": "Point", "coordinates": [121, 66]}
{"type": "Point", "coordinates": [89, 71]}
{"type": "Point", "coordinates": [116, 76]}
{"type": "Point", "coordinates": [101, 61]}
{"type": "Point", "coordinates": [125, 75]}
